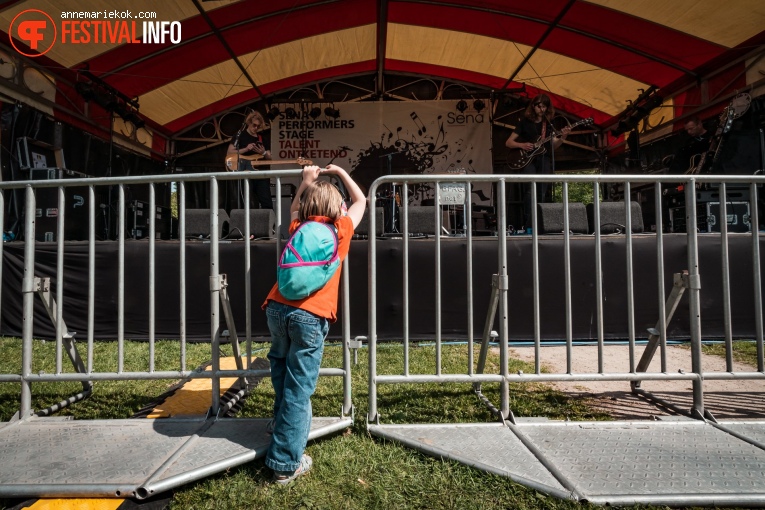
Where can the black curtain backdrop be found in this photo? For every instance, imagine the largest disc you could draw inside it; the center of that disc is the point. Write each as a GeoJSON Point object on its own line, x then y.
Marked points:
{"type": "Point", "coordinates": [390, 287]}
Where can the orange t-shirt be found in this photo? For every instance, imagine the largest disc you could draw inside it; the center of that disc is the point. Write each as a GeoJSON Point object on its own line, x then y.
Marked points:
{"type": "Point", "coordinates": [323, 302]}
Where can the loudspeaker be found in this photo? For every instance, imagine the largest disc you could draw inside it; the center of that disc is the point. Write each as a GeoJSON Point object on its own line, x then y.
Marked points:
{"type": "Point", "coordinates": [76, 206]}
{"type": "Point", "coordinates": [363, 227]}
{"type": "Point", "coordinates": [138, 218]}
{"type": "Point", "coordinates": [612, 218]}
{"type": "Point", "coordinates": [262, 222]}
{"type": "Point", "coordinates": [422, 220]}
{"type": "Point", "coordinates": [198, 223]}
{"type": "Point", "coordinates": [550, 218]}
{"type": "Point", "coordinates": [740, 153]}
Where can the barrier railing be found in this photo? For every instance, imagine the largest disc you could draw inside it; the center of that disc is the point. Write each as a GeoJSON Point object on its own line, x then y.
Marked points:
{"type": "Point", "coordinates": [35, 283]}
{"type": "Point", "coordinates": [689, 188]}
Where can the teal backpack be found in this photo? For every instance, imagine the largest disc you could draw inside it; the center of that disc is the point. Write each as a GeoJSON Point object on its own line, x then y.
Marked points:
{"type": "Point", "coordinates": [308, 260]}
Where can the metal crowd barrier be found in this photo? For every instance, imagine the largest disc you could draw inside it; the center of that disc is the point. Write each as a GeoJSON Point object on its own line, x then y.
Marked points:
{"type": "Point", "coordinates": [474, 369]}
{"type": "Point", "coordinates": [84, 369]}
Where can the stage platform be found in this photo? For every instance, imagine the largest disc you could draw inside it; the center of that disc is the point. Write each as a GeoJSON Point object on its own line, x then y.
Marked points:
{"type": "Point", "coordinates": [422, 285]}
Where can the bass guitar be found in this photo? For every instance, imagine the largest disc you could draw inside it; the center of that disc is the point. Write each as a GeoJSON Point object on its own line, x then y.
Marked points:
{"type": "Point", "coordinates": [257, 159]}
{"type": "Point", "coordinates": [519, 158]}
{"type": "Point", "coordinates": [734, 110]}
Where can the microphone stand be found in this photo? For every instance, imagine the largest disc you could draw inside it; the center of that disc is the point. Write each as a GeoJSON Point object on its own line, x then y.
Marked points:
{"type": "Point", "coordinates": [393, 222]}
{"type": "Point", "coordinates": [555, 133]}
{"type": "Point", "coordinates": [238, 161]}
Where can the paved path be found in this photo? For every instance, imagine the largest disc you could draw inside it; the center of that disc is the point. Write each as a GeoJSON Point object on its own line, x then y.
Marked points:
{"type": "Point", "coordinates": [734, 399]}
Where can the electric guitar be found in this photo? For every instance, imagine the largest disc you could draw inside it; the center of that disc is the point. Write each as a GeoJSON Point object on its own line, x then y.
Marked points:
{"type": "Point", "coordinates": [257, 159]}
{"type": "Point", "coordinates": [734, 110]}
{"type": "Point", "coordinates": [519, 158]}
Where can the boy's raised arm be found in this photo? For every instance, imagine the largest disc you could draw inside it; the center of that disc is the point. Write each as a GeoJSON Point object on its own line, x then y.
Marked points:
{"type": "Point", "coordinates": [358, 200]}
{"type": "Point", "coordinates": [310, 174]}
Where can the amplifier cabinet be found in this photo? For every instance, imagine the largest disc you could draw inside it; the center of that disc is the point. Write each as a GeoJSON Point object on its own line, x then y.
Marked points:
{"type": "Point", "coordinates": [76, 206]}
{"type": "Point", "coordinates": [678, 220]}
{"type": "Point", "coordinates": [138, 214]}
{"type": "Point", "coordinates": [737, 217]}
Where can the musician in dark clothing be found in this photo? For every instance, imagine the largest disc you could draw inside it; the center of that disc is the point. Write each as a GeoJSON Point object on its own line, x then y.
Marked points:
{"type": "Point", "coordinates": [684, 161]}
{"type": "Point", "coordinates": [699, 138]}
{"type": "Point", "coordinates": [535, 125]}
{"type": "Point", "coordinates": [251, 142]}
{"type": "Point", "coordinates": [689, 155]}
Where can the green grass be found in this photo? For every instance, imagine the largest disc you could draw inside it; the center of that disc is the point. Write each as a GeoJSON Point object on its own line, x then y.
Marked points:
{"type": "Point", "coordinates": [351, 469]}
{"type": "Point", "coordinates": [110, 399]}
{"type": "Point", "coordinates": [744, 351]}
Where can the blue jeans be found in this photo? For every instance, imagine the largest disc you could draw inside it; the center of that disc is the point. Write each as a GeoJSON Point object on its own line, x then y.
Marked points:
{"type": "Point", "coordinates": [297, 344]}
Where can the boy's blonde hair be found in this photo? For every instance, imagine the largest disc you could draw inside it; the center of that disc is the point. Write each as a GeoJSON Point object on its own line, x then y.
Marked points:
{"type": "Point", "coordinates": [320, 199]}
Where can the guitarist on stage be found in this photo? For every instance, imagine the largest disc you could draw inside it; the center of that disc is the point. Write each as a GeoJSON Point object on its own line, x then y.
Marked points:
{"type": "Point", "coordinates": [247, 143]}
{"type": "Point", "coordinates": [535, 125]}
{"type": "Point", "coordinates": [689, 155]}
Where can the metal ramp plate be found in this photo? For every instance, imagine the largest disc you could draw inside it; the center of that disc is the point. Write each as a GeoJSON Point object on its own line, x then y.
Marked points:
{"type": "Point", "coordinates": [491, 447]}
{"type": "Point", "coordinates": [667, 463]}
{"type": "Point", "coordinates": [128, 458]}
{"type": "Point", "coordinates": [619, 463]}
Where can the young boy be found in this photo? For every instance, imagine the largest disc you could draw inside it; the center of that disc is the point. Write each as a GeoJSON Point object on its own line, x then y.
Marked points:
{"type": "Point", "coordinates": [298, 328]}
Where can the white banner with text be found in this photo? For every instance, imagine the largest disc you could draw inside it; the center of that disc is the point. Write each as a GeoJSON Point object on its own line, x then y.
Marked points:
{"type": "Point", "coordinates": [375, 139]}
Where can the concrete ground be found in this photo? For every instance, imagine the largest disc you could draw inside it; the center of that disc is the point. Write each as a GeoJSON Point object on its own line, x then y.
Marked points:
{"type": "Point", "coordinates": [731, 399]}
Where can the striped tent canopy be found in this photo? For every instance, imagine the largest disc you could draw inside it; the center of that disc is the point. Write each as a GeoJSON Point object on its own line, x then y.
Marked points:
{"type": "Point", "coordinates": [593, 57]}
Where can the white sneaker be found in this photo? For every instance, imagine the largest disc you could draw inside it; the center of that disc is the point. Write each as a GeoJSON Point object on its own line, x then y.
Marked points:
{"type": "Point", "coordinates": [305, 465]}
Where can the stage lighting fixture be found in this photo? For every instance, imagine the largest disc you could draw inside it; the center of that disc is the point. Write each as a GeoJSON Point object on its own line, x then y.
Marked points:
{"type": "Point", "coordinates": [119, 109]}
{"type": "Point", "coordinates": [315, 112]}
{"type": "Point", "coordinates": [273, 113]}
{"type": "Point", "coordinates": [105, 100]}
{"type": "Point", "coordinates": [479, 105]}
{"type": "Point", "coordinates": [329, 111]}
{"type": "Point", "coordinates": [85, 90]}
{"type": "Point", "coordinates": [462, 106]}
{"type": "Point", "coordinates": [134, 119]}
{"type": "Point", "coordinates": [291, 113]}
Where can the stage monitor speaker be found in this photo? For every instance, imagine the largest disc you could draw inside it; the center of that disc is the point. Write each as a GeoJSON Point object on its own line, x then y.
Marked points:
{"type": "Point", "coordinates": [198, 223]}
{"type": "Point", "coordinates": [262, 222]}
{"type": "Point", "coordinates": [422, 220]}
{"type": "Point", "coordinates": [550, 218]}
{"type": "Point", "coordinates": [363, 227]}
{"type": "Point", "coordinates": [612, 217]}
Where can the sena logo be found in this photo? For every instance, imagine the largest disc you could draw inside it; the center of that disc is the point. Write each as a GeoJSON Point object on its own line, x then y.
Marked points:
{"type": "Point", "coordinates": [32, 27]}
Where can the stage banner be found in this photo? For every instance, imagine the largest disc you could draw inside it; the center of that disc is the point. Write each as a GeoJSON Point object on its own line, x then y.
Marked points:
{"type": "Point", "coordinates": [380, 138]}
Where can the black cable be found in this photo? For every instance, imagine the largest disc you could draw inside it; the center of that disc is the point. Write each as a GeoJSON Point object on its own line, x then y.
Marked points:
{"type": "Point", "coordinates": [622, 227]}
